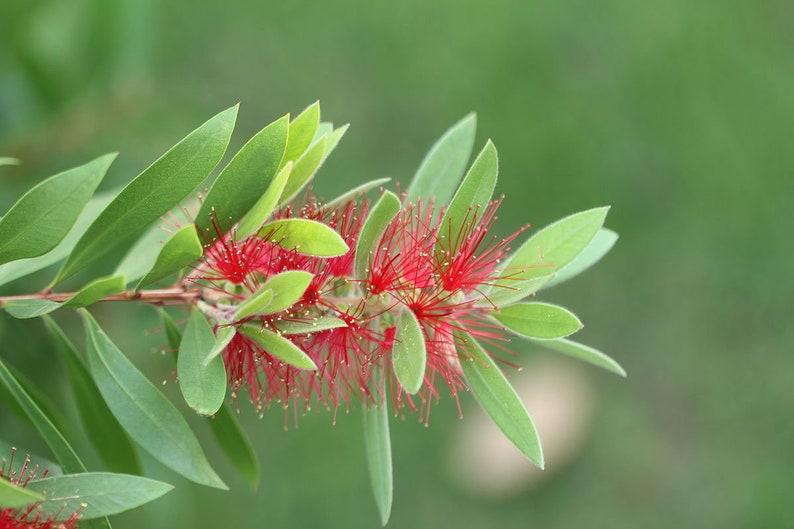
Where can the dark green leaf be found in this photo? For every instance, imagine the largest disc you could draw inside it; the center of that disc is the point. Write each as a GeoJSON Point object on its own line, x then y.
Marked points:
{"type": "Point", "coordinates": [377, 444]}
{"type": "Point", "coordinates": [153, 192]}
{"type": "Point", "coordinates": [260, 212]}
{"type": "Point", "coordinates": [234, 443]}
{"type": "Point", "coordinates": [541, 321]}
{"type": "Point", "coordinates": [598, 247]}
{"type": "Point", "coordinates": [498, 398]}
{"type": "Point", "coordinates": [305, 236]}
{"type": "Point", "coordinates": [203, 385]}
{"type": "Point", "coordinates": [279, 292]}
{"type": "Point", "coordinates": [409, 355]}
{"type": "Point", "coordinates": [356, 191]}
{"type": "Point", "coordinates": [179, 251]}
{"type": "Point", "coordinates": [104, 431]}
{"type": "Point", "coordinates": [14, 497]}
{"type": "Point", "coordinates": [45, 214]}
{"type": "Point", "coordinates": [60, 447]}
{"type": "Point", "coordinates": [149, 418]}
{"type": "Point", "coordinates": [443, 167]}
{"type": "Point", "coordinates": [98, 493]}
{"type": "Point", "coordinates": [584, 353]}
{"type": "Point", "coordinates": [385, 209]}
{"type": "Point", "coordinates": [247, 176]}
{"type": "Point", "coordinates": [278, 346]}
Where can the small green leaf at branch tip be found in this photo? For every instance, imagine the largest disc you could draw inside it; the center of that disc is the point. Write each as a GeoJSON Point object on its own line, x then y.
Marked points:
{"type": "Point", "coordinates": [409, 354]}
{"type": "Point", "coordinates": [260, 212]}
{"type": "Point", "coordinates": [97, 494]}
{"type": "Point", "coordinates": [382, 213]}
{"type": "Point", "coordinates": [40, 220]}
{"type": "Point", "coordinates": [223, 337]}
{"type": "Point", "coordinates": [597, 248]}
{"type": "Point", "coordinates": [444, 165]}
{"type": "Point", "coordinates": [279, 292]}
{"type": "Point", "coordinates": [377, 444]}
{"type": "Point", "coordinates": [498, 398]}
{"type": "Point", "coordinates": [278, 346]}
{"type": "Point", "coordinates": [301, 132]}
{"type": "Point", "coordinates": [96, 290]}
{"type": "Point", "coordinates": [307, 237]}
{"type": "Point", "coordinates": [583, 352]}
{"type": "Point", "coordinates": [178, 252]}
{"type": "Point", "coordinates": [202, 384]}
{"type": "Point", "coordinates": [540, 321]}
{"type": "Point", "coordinates": [15, 497]}
{"type": "Point", "coordinates": [304, 169]}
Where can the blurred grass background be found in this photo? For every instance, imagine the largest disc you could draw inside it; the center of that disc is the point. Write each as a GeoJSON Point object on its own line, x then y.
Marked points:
{"type": "Point", "coordinates": [678, 114]}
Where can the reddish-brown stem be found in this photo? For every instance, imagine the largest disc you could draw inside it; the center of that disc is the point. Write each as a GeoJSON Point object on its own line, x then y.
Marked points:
{"type": "Point", "coordinates": [155, 297]}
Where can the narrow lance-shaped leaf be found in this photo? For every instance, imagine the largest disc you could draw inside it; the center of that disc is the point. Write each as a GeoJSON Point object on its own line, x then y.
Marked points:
{"type": "Point", "coordinates": [445, 163]}
{"type": "Point", "coordinates": [97, 290]}
{"type": "Point", "coordinates": [279, 347]}
{"type": "Point", "coordinates": [302, 130]}
{"type": "Point", "coordinates": [377, 444]}
{"type": "Point", "coordinates": [246, 177]}
{"type": "Point", "coordinates": [584, 353]}
{"type": "Point", "coordinates": [498, 398]}
{"type": "Point", "coordinates": [307, 237]}
{"type": "Point", "coordinates": [61, 449]}
{"type": "Point", "coordinates": [303, 170]}
{"type": "Point", "coordinates": [316, 325]}
{"type": "Point", "coordinates": [13, 496]}
{"type": "Point", "coordinates": [385, 209]}
{"type": "Point", "coordinates": [409, 354]}
{"type": "Point", "coordinates": [45, 214]}
{"type": "Point", "coordinates": [279, 292]}
{"type": "Point", "coordinates": [178, 252]}
{"type": "Point", "coordinates": [234, 443]}
{"type": "Point", "coordinates": [260, 212]}
{"type": "Point", "coordinates": [202, 385]}
{"type": "Point", "coordinates": [105, 432]}
{"type": "Point", "coordinates": [508, 293]}
{"type": "Point", "coordinates": [541, 321]}
{"type": "Point", "coordinates": [96, 493]}
{"type": "Point", "coordinates": [223, 337]}
{"type": "Point", "coordinates": [356, 191]}
{"type": "Point", "coordinates": [153, 192]}
{"type": "Point", "coordinates": [598, 247]}
{"type": "Point", "coordinates": [48, 407]}
{"type": "Point", "coordinates": [333, 140]}
{"type": "Point", "coordinates": [149, 418]}
{"type": "Point", "coordinates": [30, 308]}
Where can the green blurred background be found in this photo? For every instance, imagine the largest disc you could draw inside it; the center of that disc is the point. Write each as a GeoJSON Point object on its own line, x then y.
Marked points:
{"type": "Point", "coordinates": [679, 114]}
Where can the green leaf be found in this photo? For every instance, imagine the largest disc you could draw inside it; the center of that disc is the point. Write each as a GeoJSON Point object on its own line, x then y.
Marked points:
{"type": "Point", "coordinates": [303, 170]}
{"type": "Point", "coordinates": [385, 209]}
{"type": "Point", "coordinates": [246, 177]}
{"type": "Point", "coordinates": [172, 332]}
{"type": "Point", "coordinates": [260, 212]}
{"type": "Point", "coordinates": [443, 167]}
{"type": "Point", "coordinates": [53, 469]}
{"type": "Point", "coordinates": [541, 321]}
{"type": "Point", "coordinates": [45, 214]}
{"type": "Point", "coordinates": [13, 496]}
{"type": "Point", "coordinates": [222, 339]}
{"type": "Point", "coordinates": [278, 346]}
{"type": "Point", "coordinates": [333, 141]}
{"type": "Point", "coordinates": [356, 191]}
{"type": "Point", "coordinates": [234, 443]}
{"type": "Point", "coordinates": [377, 444]}
{"type": "Point", "coordinates": [316, 325]}
{"type": "Point", "coordinates": [498, 398]}
{"type": "Point", "coordinates": [104, 431]}
{"type": "Point", "coordinates": [584, 353]}
{"type": "Point", "coordinates": [553, 247]}
{"type": "Point", "coordinates": [23, 267]}
{"type": "Point", "coordinates": [153, 192]}
{"type": "Point", "coordinates": [307, 237]}
{"type": "Point", "coordinates": [598, 247]}
{"type": "Point", "coordinates": [96, 290]}
{"type": "Point", "coordinates": [279, 292]}
{"type": "Point", "coordinates": [60, 447]}
{"type": "Point", "coordinates": [149, 418]}
{"type": "Point", "coordinates": [98, 493]}
{"type": "Point", "coordinates": [507, 293]}
{"type": "Point", "coordinates": [301, 132]}
{"type": "Point", "coordinates": [471, 198]}
{"type": "Point", "coordinates": [5, 160]}
{"type": "Point", "coordinates": [179, 251]}
{"type": "Point", "coordinates": [30, 308]}
{"type": "Point", "coordinates": [202, 385]}
{"type": "Point", "coordinates": [409, 354]}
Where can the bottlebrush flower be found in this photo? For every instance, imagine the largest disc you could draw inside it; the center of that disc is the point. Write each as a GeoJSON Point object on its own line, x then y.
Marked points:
{"type": "Point", "coordinates": [30, 517]}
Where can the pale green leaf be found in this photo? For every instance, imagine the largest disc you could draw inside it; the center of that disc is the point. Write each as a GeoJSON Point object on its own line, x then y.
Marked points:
{"type": "Point", "coordinates": [153, 192]}
{"type": "Point", "coordinates": [260, 212]}
{"type": "Point", "coordinates": [302, 131]}
{"type": "Point", "coordinates": [498, 398]}
{"type": "Point", "coordinates": [149, 418]}
{"type": "Point", "coordinates": [45, 214]}
{"type": "Point", "coordinates": [381, 214]}
{"type": "Point", "coordinates": [584, 353]}
{"type": "Point", "coordinates": [284, 289]}
{"type": "Point", "coordinates": [14, 497]}
{"type": "Point", "coordinates": [377, 445]}
{"type": "Point", "coordinates": [246, 177]}
{"type": "Point", "coordinates": [356, 191]}
{"type": "Point", "coordinates": [509, 292]}
{"type": "Point", "coordinates": [409, 353]}
{"type": "Point", "coordinates": [598, 247]}
{"type": "Point", "coordinates": [541, 321]}
{"type": "Point", "coordinates": [333, 141]}
{"type": "Point", "coordinates": [223, 337]}
{"type": "Point", "coordinates": [97, 290]}
{"type": "Point", "coordinates": [202, 384]}
{"type": "Point", "coordinates": [30, 308]}
{"type": "Point", "coordinates": [178, 252]}
{"type": "Point", "coordinates": [305, 236]}
{"type": "Point", "coordinates": [303, 170]}
{"type": "Point", "coordinates": [445, 163]}
{"type": "Point", "coordinates": [97, 493]}
{"type": "Point", "coordinates": [278, 346]}
{"type": "Point", "coordinates": [315, 325]}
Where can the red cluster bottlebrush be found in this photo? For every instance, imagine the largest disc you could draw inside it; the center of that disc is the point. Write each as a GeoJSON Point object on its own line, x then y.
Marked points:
{"type": "Point", "coordinates": [420, 264]}
{"type": "Point", "coordinates": [30, 517]}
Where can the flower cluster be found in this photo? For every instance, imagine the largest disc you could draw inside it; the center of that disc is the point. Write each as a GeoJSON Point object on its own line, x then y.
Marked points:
{"type": "Point", "coordinates": [30, 517]}
{"type": "Point", "coordinates": [419, 264]}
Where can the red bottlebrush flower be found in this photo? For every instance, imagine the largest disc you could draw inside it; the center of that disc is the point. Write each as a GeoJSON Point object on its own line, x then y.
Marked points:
{"type": "Point", "coordinates": [30, 517]}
